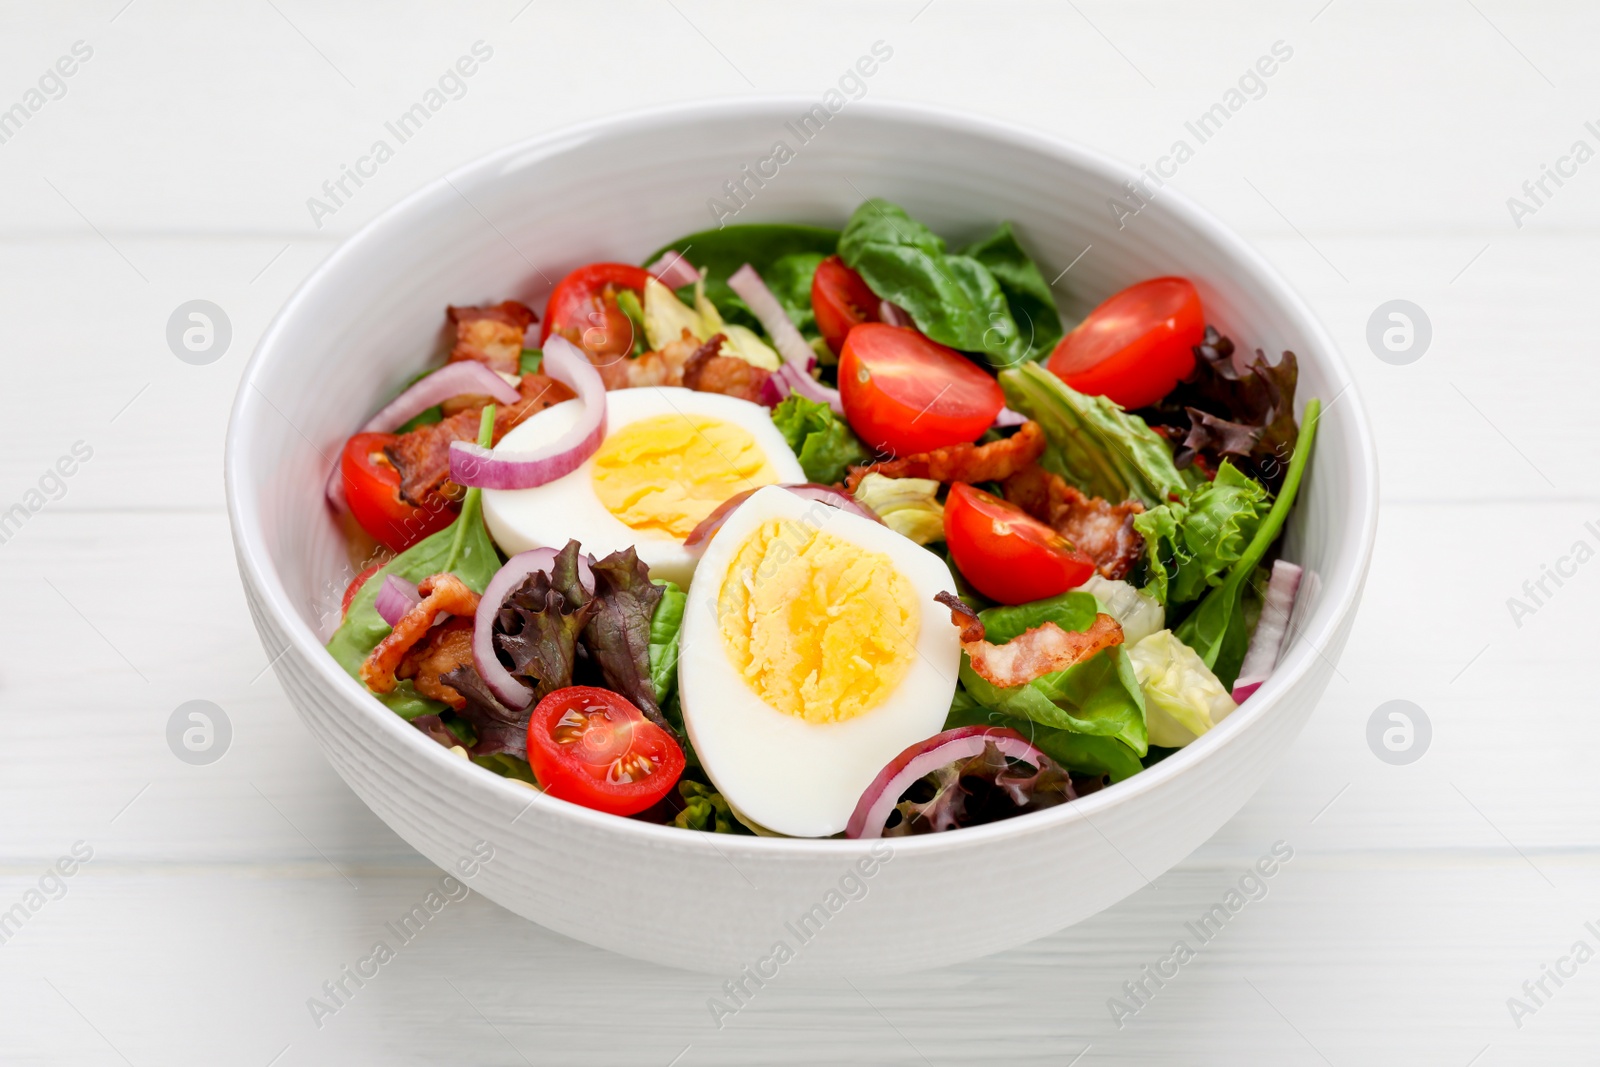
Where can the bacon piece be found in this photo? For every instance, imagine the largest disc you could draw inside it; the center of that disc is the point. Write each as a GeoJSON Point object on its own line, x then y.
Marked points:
{"type": "Point", "coordinates": [664, 367]}
{"type": "Point", "coordinates": [491, 335]}
{"type": "Point", "coordinates": [440, 592]}
{"type": "Point", "coordinates": [1032, 653]}
{"type": "Point", "coordinates": [1041, 650]}
{"type": "Point", "coordinates": [708, 372]}
{"type": "Point", "coordinates": [422, 456]}
{"type": "Point", "coordinates": [621, 370]}
{"type": "Point", "coordinates": [993, 462]}
{"type": "Point", "coordinates": [535, 392]}
{"type": "Point", "coordinates": [963, 616]}
{"type": "Point", "coordinates": [442, 650]}
{"type": "Point", "coordinates": [1098, 528]}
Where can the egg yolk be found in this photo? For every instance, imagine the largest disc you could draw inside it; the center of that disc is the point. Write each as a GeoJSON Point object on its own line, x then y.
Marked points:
{"type": "Point", "coordinates": [819, 627]}
{"type": "Point", "coordinates": [666, 473]}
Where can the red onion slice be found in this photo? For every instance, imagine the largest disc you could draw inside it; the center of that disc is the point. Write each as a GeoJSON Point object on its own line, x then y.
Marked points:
{"type": "Point", "coordinates": [772, 391]}
{"type": "Point", "coordinates": [894, 314]}
{"type": "Point", "coordinates": [466, 377]}
{"type": "Point", "coordinates": [506, 581]}
{"type": "Point", "coordinates": [748, 284]}
{"type": "Point", "coordinates": [792, 379]}
{"type": "Point", "coordinates": [396, 596]}
{"type": "Point", "coordinates": [674, 271]}
{"type": "Point", "coordinates": [923, 758]}
{"type": "Point", "coordinates": [474, 465]}
{"type": "Point", "coordinates": [1007, 417]}
{"type": "Point", "coordinates": [1266, 644]}
{"type": "Point", "coordinates": [827, 494]}
{"type": "Point", "coordinates": [794, 376]}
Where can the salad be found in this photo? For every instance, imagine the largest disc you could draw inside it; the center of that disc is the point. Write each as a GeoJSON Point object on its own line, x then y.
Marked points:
{"type": "Point", "coordinates": [809, 532]}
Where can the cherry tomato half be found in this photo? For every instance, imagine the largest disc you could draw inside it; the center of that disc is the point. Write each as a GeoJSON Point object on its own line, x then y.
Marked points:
{"type": "Point", "coordinates": [905, 394]}
{"type": "Point", "coordinates": [840, 298]}
{"type": "Point", "coordinates": [592, 747]}
{"type": "Point", "coordinates": [1007, 554]}
{"type": "Point", "coordinates": [372, 489]}
{"type": "Point", "coordinates": [354, 587]}
{"type": "Point", "coordinates": [1136, 346]}
{"type": "Point", "coordinates": [583, 307]}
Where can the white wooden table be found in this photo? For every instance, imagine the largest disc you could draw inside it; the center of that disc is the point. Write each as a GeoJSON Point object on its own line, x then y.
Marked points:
{"type": "Point", "coordinates": [1375, 165]}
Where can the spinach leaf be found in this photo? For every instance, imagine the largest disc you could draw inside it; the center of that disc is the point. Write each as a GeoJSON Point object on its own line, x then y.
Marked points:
{"type": "Point", "coordinates": [789, 278]}
{"type": "Point", "coordinates": [1032, 304]}
{"type": "Point", "coordinates": [953, 298]}
{"type": "Point", "coordinates": [1073, 611]}
{"type": "Point", "coordinates": [1094, 444]}
{"type": "Point", "coordinates": [1190, 544]}
{"type": "Point", "coordinates": [821, 440]}
{"type": "Point", "coordinates": [1216, 629]}
{"type": "Point", "coordinates": [664, 626]}
{"type": "Point", "coordinates": [463, 548]}
{"type": "Point", "coordinates": [1080, 753]}
{"type": "Point", "coordinates": [721, 252]}
{"type": "Point", "coordinates": [422, 418]}
{"type": "Point", "coordinates": [1099, 697]}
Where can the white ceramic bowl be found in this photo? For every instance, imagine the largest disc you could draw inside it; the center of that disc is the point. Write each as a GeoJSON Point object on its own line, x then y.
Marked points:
{"type": "Point", "coordinates": [513, 223]}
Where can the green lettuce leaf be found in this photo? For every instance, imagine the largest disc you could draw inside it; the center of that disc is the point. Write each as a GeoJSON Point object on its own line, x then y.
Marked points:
{"type": "Point", "coordinates": [1190, 545]}
{"type": "Point", "coordinates": [908, 506]}
{"type": "Point", "coordinates": [1032, 304]}
{"type": "Point", "coordinates": [1139, 614]}
{"type": "Point", "coordinates": [507, 766]}
{"type": "Point", "coordinates": [664, 626]}
{"type": "Point", "coordinates": [1099, 697]}
{"type": "Point", "coordinates": [1073, 611]}
{"type": "Point", "coordinates": [1094, 444]}
{"type": "Point", "coordinates": [762, 245]}
{"type": "Point", "coordinates": [953, 298]}
{"type": "Point", "coordinates": [1079, 753]}
{"type": "Point", "coordinates": [821, 440]}
{"type": "Point", "coordinates": [628, 304]}
{"type": "Point", "coordinates": [463, 548]}
{"type": "Point", "coordinates": [1182, 698]}
{"type": "Point", "coordinates": [1216, 628]}
{"type": "Point", "coordinates": [704, 809]}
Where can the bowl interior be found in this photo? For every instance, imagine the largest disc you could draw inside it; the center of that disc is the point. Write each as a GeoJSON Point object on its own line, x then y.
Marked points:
{"type": "Point", "coordinates": [513, 224]}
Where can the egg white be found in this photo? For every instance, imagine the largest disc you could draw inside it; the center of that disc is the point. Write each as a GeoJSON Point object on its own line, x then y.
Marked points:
{"type": "Point", "coordinates": [787, 774]}
{"type": "Point", "coordinates": [546, 516]}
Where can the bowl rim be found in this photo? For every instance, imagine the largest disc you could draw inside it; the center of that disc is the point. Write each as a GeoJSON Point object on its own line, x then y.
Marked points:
{"type": "Point", "coordinates": [1342, 594]}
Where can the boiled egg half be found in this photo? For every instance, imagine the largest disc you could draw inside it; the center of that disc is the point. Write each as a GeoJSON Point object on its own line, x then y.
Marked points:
{"type": "Point", "coordinates": [670, 456]}
{"type": "Point", "coordinates": [812, 653]}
